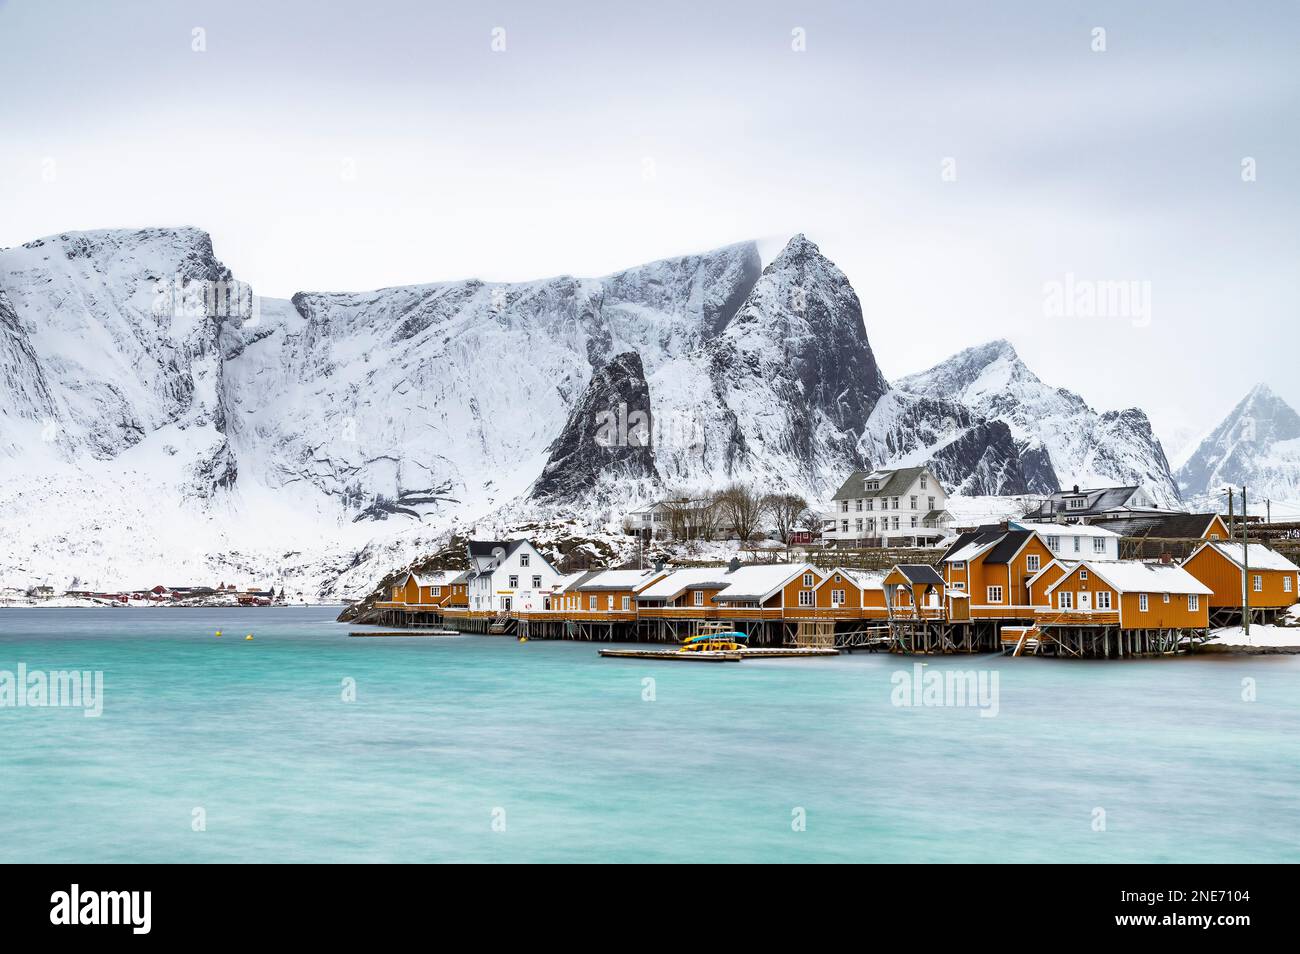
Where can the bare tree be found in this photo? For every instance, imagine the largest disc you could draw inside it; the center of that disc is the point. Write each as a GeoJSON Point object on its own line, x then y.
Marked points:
{"type": "Point", "coordinates": [740, 511]}
{"type": "Point", "coordinates": [787, 513]}
{"type": "Point", "coordinates": [678, 510]}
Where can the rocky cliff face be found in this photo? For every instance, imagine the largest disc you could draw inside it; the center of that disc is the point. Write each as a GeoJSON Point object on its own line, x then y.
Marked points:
{"type": "Point", "coordinates": [1060, 440]}
{"type": "Point", "coordinates": [605, 451]}
{"type": "Point", "coordinates": [1257, 444]}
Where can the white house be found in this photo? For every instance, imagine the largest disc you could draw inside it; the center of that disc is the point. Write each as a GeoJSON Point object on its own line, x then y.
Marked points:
{"type": "Point", "coordinates": [1074, 541]}
{"type": "Point", "coordinates": [686, 518]}
{"type": "Point", "coordinates": [906, 506]}
{"type": "Point", "coordinates": [1098, 503]}
{"type": "Point", "coordinates": [507, 575]}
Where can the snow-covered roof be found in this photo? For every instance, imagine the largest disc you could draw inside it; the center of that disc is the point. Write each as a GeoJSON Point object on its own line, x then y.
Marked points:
{"type": "Point", "coordinates": [1261, 557]}
{"type": "Point", "coordinates": [1134, 576]}
{"type": "Point", "coordinates": [863, 579]}
{"type": "Point", "coordinates": [970, 551]}
{"type": "Point", "coordinates": [570, 579]}
{"type": "Point", "coordinates": [618, 580]}
{"type": "Point", "coordinates": [1065, 565]}
{"type": "Point", "coordinates": [1064, 530]}
{"type": "Point", "coordinates": [679, 580]}
{"type": "Point", "coordinates": [756, 581]}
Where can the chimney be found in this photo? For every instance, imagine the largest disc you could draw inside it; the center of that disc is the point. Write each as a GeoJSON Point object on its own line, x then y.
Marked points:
{"type": "Point", "coordinates": [734, 565]}
{"type": "Point", "coordinates": [1076, 488]}
{"type": "Point", "coordinates": [659, 566]}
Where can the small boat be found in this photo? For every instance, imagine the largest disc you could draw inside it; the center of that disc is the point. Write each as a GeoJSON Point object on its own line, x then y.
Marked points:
{"type": "Point", "coordinates": [714, 642]}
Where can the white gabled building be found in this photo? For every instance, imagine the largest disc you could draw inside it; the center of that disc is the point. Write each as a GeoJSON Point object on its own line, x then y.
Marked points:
{"type": "Point", "coordinates": [506, 575]}
{"type": "Point", "coordinates": [1074, 541]}
{"type": "Point", "coordinates": [906, 506]}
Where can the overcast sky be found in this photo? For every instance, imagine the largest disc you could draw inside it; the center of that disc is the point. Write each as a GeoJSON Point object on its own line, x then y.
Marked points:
{"type": "Point", "coordinates": [339, 146]}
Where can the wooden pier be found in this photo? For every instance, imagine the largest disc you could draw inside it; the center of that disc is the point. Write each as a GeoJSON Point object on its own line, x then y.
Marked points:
{"type": "Point", "coordinates": [407, 632]}
{"type": "Point", "coordinates": [729, 655]}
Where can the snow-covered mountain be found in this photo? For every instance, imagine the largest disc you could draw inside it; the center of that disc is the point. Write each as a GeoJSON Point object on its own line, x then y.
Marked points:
{"type": "Point", "coordinates": [1257, 444]}
{"type": "Point", "coordinates": [1061, 441]}
{"type": "Point", "coordinates": [158, 422]}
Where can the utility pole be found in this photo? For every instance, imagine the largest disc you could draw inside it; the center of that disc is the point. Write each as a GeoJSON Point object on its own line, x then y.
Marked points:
{"type": "Point", "coordinates": [1231, 528]}
{"type": "Point", "coordinates": [1245, 566]}
{"type": "Point", "coordinates": [1268, 511]}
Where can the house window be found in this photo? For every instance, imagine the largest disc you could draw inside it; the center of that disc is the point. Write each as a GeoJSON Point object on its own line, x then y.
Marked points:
{"type": "Point", "coordinates": [929, 503]}
{"type": "Point", "coordinates": [1065, 600]}
{"type": "Point", "coordinates": [807, 579]}
{"type": "Point", "coordinates": [1193, 602]}
{"type": "Point", "coordinates": [859, 506]}
{"type": "Point", "coordinates": [627, 603]}
{"type": "Point", "coordinates": [837, 577]}
{"type": "Point", "coordinates": [913, 520]}
{"type": "Point", "coordinates": [1103, 599]}
{"type": "Point", "coordinates": [523, 559]}
{"type": "Point", "coordinates": [844, 506]}
{"type": "Point", "coordinates": [699, 597]}
{"type": "Point", "coordinates": [895, 506]}
{"type": "Point", "coordinates": [591, 603]}
{"type": "Point", "coordinates": [844, 526]}
{"type": "Point", "coordinates": [895, 523]}
{"type": "Point", "coordinates": [958, 586]}
{"type": "Point", "coordinates": [871, 503]}
{"type": "Point", "coordinates": [514, 582]}
{"type": "Point", "coordinates": [609, 601]}
{"type": "Point", "coordinates": [873, 485]}
{"type": "Point", "coordinates": [1083, 574]}
{"type": "Point", "coordinates": [1286, 583]}
{"type": "Point", "coordinates": [959, 564]}
{"type": "Point", "coordinates": [1032, 563]}
{"type": "Point", "coordinates": [1076, 544]}
{"type": "Point", "coordinates": [1098, 544]}
{"type": "Point", "coordinates": [923, 486]}
{"type": "Point", "coordinates": [1166, 595]}
{"type": "Point", "coordinates": [857, 525]}
{"type": "Point", "coordinates": [437, 591]}
{"type": "Point", "coordinates": [871, 523]}
{"type": "Point", "coordinates": [995, 594]}
{"type": "Point", "coordinates": [805, 598]}
{"type": "Point", "coordinates": [1076, 503]}
{"type": "Point", "coordinates": [1142, 602]}
{"type": "Point", "coordinates": [1258, 583]}
{"type": "Point", "coordinates": [912, 500]}
{"type": "Point", "coordinates": [837, 597]}
{"type": "Point", "coordinates": [537, 582]}
{"type": "Point", "coordinates": [1053, 543]}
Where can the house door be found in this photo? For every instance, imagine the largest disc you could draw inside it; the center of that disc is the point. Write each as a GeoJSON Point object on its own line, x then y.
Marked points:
{"type": "Point", "coordinates": [1085, 602]}
{"type": "Point", "coordinates": [505, 604]}
{"type": "Point", "coordinates": [933, 599]}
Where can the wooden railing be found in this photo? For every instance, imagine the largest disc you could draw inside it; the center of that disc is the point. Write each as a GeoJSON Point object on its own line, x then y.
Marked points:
{"type": "Point", "coordinates": [1046, 616]}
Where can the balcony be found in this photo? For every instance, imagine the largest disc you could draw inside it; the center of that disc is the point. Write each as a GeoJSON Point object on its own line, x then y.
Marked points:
{"type": "Point", "coordinates": [1046, 616]}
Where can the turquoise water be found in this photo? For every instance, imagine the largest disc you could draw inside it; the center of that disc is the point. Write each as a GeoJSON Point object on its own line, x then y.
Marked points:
{"type": "Point", "coordinates": [448, 735]}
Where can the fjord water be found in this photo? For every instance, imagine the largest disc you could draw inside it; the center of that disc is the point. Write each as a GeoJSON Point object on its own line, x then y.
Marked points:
{"type": "Point", "coordinates": [451, 739]}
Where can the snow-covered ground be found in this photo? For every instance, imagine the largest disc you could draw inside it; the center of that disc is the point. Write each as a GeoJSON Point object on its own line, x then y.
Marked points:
{"type": "Point", "coordinates": [1260, 635]}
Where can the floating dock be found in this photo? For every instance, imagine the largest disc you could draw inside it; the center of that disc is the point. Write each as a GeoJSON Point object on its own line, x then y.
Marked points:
{"type": "Point", "coordinates": [730, 655]}
{"type": "Point", "coordinates": [409, 632]}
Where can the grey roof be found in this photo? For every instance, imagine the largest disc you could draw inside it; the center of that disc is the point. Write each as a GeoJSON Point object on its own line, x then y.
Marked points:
{"type": "Point", "coordinates": [1168, 526]}
{"type": "Point", "coordinates": [1006, 543]}
{"type": "Point", "coordinates": [894, 484]}
{"type": "Point", "coordinates": [936, 515]}
{"type": "Point", "coordinates": [1099, 499]}
{"type": "Point", "coordinates": [485, 548]}
{"type": "Point", "coordinates": [920, 573]}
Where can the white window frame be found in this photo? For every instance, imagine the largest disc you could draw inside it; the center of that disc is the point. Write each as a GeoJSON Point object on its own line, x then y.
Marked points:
{"type": "Point", "coordinates": [994, 594]}
{"type": "Point", "coordinates": [807, 579]}
{"type": "Point", "coordinates": [699, 597]}
{"type": "Point", "coordinates": [1257, 582]}
{"type": "Point", "coordinates": [1103, 599]}
{"type": "Point", "coordinates": [627, 603]}
{"type": "Point", "coordinates": [591, 602]}
{"type": "Point", "coordinates": [1166, 596]}
{"type": "Point", "coordinates": [1098, 544]}
{"type": "Point", "coordinates": [805, 597]}
{"type": "Point", "coordinates": [1064, 600]}
{"type": "Point", "coordinates": [1193, 602]}
{"type": "Point", "coordinates": [1033, 563]}
{"type": "Point", "coordinates": [1143, 603]}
